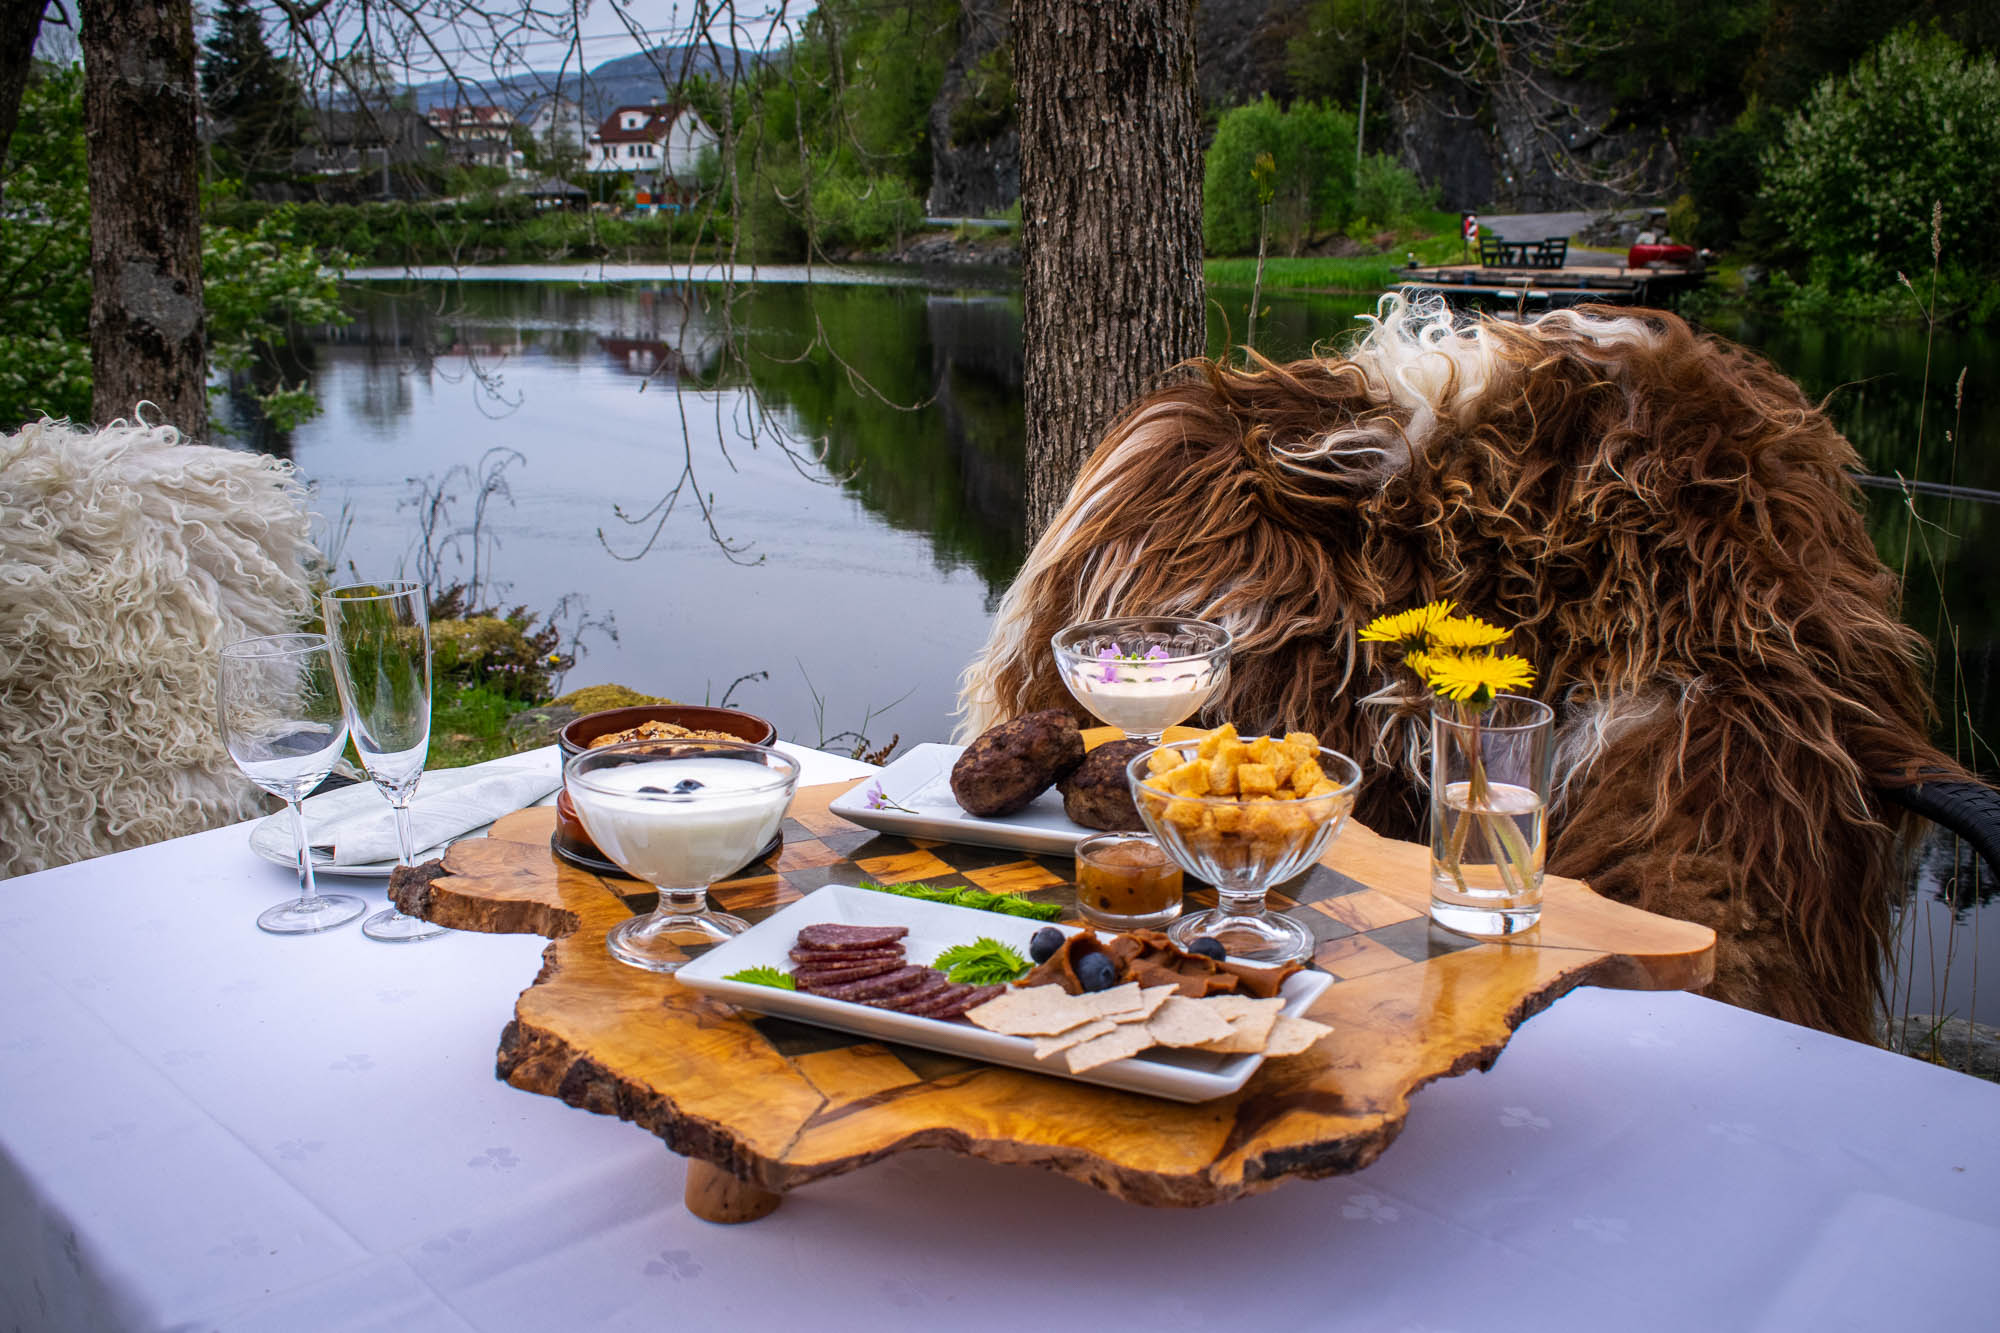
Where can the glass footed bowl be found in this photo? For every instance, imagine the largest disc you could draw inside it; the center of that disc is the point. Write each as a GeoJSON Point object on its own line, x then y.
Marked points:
{"type": "Point", "coordinates": [1143, 674]}
{"type": "Point", "coordinates": [1243, 846]}
{"type": "Point", "coordinates": [679, 815]}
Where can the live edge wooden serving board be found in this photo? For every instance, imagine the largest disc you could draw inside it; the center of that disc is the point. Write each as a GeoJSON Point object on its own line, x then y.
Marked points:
{"type": "Point", "coordinates": [765, 1105]}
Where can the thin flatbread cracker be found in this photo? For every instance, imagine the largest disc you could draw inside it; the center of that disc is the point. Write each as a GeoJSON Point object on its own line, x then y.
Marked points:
{"type": "Point", "coordinates": [1152, 997]}
{"type": "Point", "coordinates": [1250, 1023]}
{"type": "Point", "coordinates": [1185, 1022]}
{"type": "Point", "coordinates": [1115, 1001]}
{"type": "Point", "coordinates": [1062, 1041]}
{"type": "Point", "coordinates": [1290, 1036]}
{"type": "Point", "coordinates": [1038, 1011]}
{"type": "Point", "coordinates": [1122, 1042]}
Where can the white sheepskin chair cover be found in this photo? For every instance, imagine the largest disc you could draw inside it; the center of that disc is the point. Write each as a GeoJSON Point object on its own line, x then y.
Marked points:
{"type": "Point", "coordinates": [127, 560]}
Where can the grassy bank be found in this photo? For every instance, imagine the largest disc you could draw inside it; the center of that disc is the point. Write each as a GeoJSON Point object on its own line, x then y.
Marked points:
{"type": "Point", "coordinates": [1434, 242]}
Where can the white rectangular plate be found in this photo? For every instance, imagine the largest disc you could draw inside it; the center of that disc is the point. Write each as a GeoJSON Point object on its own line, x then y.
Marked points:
{"type": "Point", "coordinates": [921, 780]}
{"type": "Point", "coordinates": [1177, 1075]}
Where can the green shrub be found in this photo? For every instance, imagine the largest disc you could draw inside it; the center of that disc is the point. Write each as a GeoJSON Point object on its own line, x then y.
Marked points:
{"type": "Point", "coordinates": [1311, 146]}
{"type": "Point", "coordinates": [1387, 194]}
{"type": "Point", "coordinates": [987, 106]}
{"type": "Point", "coordinates": [504, 654]}
{"type": "Point", "coordinates": [1857, 170]}
{"type": "Point", "coordinates": [868, 212]}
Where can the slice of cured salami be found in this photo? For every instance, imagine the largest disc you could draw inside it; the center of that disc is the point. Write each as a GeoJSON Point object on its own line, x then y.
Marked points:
{"type": "Point", "coordinates": [832, 935]}
{"type": "Point", "coordinates": [826, 976]}
{"type": "Point", "coordinates": [841, 957]}
{"type": "Point", "coordinates": [889, 983]}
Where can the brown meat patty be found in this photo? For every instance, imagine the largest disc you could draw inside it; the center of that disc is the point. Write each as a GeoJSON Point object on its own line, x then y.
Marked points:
{"type": "Point", "coordinates": [1097, 795]}
{"type": "Point", "coordinates": [1015, 762]}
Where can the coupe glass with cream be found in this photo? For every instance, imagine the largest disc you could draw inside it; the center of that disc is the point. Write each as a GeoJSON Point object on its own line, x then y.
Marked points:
{"type": "Point", "coordinates": [679, 815]}
{"type": "Point", "coordinates": [1143, 674]}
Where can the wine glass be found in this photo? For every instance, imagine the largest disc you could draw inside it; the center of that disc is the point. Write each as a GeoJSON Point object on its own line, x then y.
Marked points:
{"type": "Point", "coordinates": [382, 663]}
{"type": "Point", "coordinates": [680, 816]}
{"type": "Point", "coordinates": [282, 724]}
{"type": "Point", "coordinates": [1242, 845]}
{"type": "Point", "coordinates": [1143, 674]}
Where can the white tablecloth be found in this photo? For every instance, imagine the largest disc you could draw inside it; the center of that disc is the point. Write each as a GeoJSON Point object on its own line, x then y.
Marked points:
{"type": "Point", "coordinates": [203, 1126]}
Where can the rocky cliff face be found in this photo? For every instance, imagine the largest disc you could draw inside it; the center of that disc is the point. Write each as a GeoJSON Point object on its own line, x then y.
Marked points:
{"type": "Point", "coordinates": [1547, 149]}
{"type": "Point", "coordinates": [982, 173]}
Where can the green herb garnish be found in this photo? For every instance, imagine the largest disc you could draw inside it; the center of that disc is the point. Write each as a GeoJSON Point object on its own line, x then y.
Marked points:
{"type": "Point", "coordinates": [764, 976]}
{"type": "Point", "coordinates": [1007, 904]}
{"type": "Point", "coordinates": [984, 962]}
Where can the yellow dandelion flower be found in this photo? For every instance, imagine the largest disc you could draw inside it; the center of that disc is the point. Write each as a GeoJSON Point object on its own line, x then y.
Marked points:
{"type": "Point", "coordinates": [1410, 628]}
{"type": "Point", "coordinates": [1457, 634]}
{"type": "Point", "coordinates": [1475, 678]}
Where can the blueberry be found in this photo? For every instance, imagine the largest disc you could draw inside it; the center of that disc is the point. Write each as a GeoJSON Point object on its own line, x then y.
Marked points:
{"type": "Point", "coordinates": [686, 785]}
{"type": "Point", "coordinates": [1208, 947]}
{"type": "Point", "coordinates": [1043, 946]}
{"type": "Point", "coordinates": [1096, 973]}
{"type": "Point", "coordinates": [654, 791]}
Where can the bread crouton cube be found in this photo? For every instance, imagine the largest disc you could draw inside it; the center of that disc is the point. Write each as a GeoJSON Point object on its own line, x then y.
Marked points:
{"type": "Point", "coordinates": [1184, 814]}
{"type": "Point", "coordinates": [1189, 780]}
{"type": "Point", "coordinates": [1221, 777]}
{"type": "Point", "coordinates": [1228, 819]}
{"type": "Point", "coordinates": [1212, 744]}
{"type": "Point", "coordinates": [1306, 775]}
{"type": "Point", "coordinates": [1162, 761]}
{"type": "Point", "coordinates": [1255, 780]}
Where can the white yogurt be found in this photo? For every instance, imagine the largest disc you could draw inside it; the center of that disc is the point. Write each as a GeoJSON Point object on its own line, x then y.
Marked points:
{"type": "Point", "coordinates": [685, 842]}
{"type": "Point", "coordinates": [1138, 702]}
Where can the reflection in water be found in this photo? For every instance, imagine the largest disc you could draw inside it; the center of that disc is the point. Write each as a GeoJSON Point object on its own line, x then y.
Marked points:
{"type": "Point", "coordinates": [883, 558]}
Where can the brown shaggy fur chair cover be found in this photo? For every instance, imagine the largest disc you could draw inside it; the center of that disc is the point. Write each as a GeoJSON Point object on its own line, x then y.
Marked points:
{"type": "Point", "coordinates": [1667, 521]}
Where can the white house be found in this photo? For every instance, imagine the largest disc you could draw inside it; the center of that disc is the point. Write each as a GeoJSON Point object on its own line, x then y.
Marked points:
{"type": "Point", "coordinates": [661, 141]}
{"type": "Point", "coordinates": [557, 122]}
{"type": "Point", "coordinates": [478, 135]}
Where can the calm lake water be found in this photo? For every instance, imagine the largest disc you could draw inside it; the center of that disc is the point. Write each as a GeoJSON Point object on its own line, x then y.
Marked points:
{"type": "Point", "coordinates": [830, 503]}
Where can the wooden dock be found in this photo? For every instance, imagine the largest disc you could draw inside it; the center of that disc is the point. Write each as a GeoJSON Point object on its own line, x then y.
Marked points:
{"type": "Point", "coordinates": [1528, 291]}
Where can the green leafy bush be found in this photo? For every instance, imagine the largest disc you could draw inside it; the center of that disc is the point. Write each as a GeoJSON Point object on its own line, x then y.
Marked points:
{"type": "Point", "coordinates": [1857, 170]}
{"type": "Point", "coordinates": [1388, 194]}
{"type": "Point", "coordinates": [505, 654]}
{"type": "Point", "coordinates": [1311, 146]}
{"type": "Point", "coordinates": [259, 280]}
{"type": "Point", "coordinates": [45, 258]}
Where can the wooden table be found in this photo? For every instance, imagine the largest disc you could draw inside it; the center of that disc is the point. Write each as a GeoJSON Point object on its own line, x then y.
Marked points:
{"type": "Point", "coordinates": [765, 1105]}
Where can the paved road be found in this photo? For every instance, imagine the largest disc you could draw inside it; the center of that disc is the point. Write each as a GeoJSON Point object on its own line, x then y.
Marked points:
{"type": "Point", "coordinates": [1541, 226]}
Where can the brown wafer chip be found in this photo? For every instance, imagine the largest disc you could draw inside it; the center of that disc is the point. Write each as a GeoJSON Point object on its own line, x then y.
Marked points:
{"type": "Point", "coordinates": [1291, 1036]}
{"type": "Point", "coordinates": [1122, 1042]}
{"type": "Point", "coordinates": [1186, 1022]}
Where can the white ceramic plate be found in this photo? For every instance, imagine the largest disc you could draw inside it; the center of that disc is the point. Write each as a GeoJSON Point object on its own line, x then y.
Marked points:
{"type": "Point", "coordinates": [1181, 1076]}
{"type": "Point", "coordinates": [921, 780]}
{"type": "Point", "coordinates": [271, 836]}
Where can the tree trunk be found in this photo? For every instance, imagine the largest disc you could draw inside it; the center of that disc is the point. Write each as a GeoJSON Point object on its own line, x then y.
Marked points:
{"type": "Point", "coordinates": [1110, 219]}
{"type": "Point", "coordinates": [146, 336]}
{"type": "Point", "coordinates": [20, 21]}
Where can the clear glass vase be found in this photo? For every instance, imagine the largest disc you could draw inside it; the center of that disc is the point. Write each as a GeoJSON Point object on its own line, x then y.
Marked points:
{"type": "Point", "coordinates": [1489, 814]}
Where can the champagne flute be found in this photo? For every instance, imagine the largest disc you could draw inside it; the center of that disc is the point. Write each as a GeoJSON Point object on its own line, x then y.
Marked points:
{"type": "Point", "coordinates": [283, 725]}
{"type": "Point", "coordinates": [382, 663]}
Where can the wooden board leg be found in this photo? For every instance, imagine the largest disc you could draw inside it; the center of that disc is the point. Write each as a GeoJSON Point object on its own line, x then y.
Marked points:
{"type": "Point", "coordinates": [714, 1195]}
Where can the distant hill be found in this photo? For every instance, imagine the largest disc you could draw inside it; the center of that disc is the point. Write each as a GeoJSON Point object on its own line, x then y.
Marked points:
{"type": "Point", "coordinates": [641, 77]}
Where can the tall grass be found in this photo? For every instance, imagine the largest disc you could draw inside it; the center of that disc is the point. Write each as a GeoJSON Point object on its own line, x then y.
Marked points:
{"type": "Point", "coordinates": [1940, 868]}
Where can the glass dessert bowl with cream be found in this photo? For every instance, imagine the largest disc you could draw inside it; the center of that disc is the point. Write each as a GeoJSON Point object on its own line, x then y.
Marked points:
{"type": "Point", "coordinates": [679, 815]}
{"type": "Point", "coordinates": [1143, 674]}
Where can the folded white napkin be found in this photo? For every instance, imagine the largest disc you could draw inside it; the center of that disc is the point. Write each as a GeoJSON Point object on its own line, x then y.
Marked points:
{"type": "Point", "coordinates": [357, 826]}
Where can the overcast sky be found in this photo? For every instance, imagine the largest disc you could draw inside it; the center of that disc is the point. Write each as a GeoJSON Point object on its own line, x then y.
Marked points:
{"type": "Point", "coordinates": [606, 29]}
